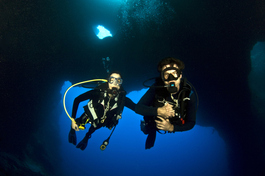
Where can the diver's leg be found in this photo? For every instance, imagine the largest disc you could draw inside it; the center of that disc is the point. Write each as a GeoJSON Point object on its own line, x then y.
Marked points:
{"type": "Point", "coordinates": [82, 144]}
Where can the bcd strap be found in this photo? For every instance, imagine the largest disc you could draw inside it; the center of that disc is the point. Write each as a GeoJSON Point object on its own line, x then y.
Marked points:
{"type": "Point", "coordinates": [182, 100]}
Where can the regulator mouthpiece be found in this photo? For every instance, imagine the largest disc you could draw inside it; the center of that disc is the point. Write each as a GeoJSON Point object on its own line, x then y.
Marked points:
{"type": "Point", "coordinates": [171, 88]}
{"type": "Point", "coordinates": [114, 91]}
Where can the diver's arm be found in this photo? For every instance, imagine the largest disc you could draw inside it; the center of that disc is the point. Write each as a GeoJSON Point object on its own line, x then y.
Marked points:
{"type": "Point", "coordinates": [144, 107]}
{"type": "Point", "coordinates": [190, 116]}
{"type": "Point", "coordinates": [166, 111]}
{"type": "Point", "coordinates": [129, 103]}
{"type": "Point", "coordinates": [164, 124]}
{"type": "Point", "coordinates": [80, 98]}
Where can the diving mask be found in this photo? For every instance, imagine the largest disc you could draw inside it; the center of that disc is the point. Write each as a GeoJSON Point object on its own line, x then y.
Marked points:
{"type": "Point", "coordinates": [115, 81]}
{"type": "Point", "coordinates": [170, 74]}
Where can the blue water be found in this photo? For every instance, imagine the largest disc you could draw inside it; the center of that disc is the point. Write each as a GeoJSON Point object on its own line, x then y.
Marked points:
{"type": "Point", "coordinates": [199, 151]}
{"type": "Point", "coordinates": [46, 43]}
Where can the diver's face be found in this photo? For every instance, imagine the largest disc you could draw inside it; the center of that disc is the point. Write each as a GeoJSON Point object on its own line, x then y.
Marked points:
{"type": "Point", "coordinates": [115, 81]}
{"type": "Point", "coordinates": [172, 72]}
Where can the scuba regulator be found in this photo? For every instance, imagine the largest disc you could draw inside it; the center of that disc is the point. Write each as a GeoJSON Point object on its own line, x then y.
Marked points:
{"type": "Point", "coordinates": [114, 91]}
{"type": "Point", "coordinates": [172, 88]}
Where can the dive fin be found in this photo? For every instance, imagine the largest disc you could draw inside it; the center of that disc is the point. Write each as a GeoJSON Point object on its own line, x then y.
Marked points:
{"type": "Point", "coordinates": [72, 137]}
{"type": "Point", "coordinates": [82, 144]}
{"type": "Point", "coordinates": [150, 140]}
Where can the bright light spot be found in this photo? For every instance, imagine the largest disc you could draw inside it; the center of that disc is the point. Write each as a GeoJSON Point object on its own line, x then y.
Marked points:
{"type": "Point", "coordinates": [103, 32]}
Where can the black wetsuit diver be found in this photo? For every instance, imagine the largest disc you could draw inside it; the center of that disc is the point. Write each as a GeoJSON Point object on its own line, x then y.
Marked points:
{"type": "Point", "coordinates": [156, 97]}
{"type": "Point", "coordinates": [102, 110]}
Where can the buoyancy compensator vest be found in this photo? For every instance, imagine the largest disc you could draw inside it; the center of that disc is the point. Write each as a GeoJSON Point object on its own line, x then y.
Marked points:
{"type": "Point", "coordinates": [179, 101]}
{"type": "Point", "coordinates": [105, 110]}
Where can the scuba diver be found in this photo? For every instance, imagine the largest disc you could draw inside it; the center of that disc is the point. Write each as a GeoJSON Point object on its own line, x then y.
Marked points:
{"type": "Point", "coordinates": [104, 109]}
{"type": "Point", "coordinates": [169, 104]}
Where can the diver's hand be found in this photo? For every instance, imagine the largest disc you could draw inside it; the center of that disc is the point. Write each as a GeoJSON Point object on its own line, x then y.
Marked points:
{"type": "Point", "coordinates": [74, 126]}
{"type": "Point", "coordinates": [166, 111]}
{"type": "Point", "coordinates": [164, 124]}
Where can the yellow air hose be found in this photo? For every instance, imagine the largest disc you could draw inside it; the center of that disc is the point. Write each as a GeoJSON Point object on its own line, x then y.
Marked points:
{"type": "Point", "coordinates": [92, 80]}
